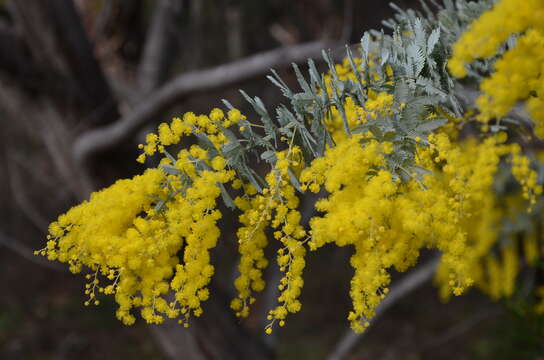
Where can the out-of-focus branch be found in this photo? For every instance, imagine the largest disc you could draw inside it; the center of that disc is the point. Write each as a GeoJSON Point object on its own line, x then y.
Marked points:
{"type": "Point", "coordinates": [56, 140]}
{"type": "Point", "coordinates": [14, 63]}
{"type": "Point", "coordinates": [187, 84]}
{"type": "Point", "coordinates": [24, 203]}
{"type": "Point", "coordinates": [44, 123]}
{"type": "Point", "coordinates": [57, 42]}
{"type": "Point", "coordinates": [157, 53]}
{"type": "Point", "coordinates": [27, 253]}
{"type": "Point", "coordinates": [399, 291]}
{"type": "Point", "coordinates": [460, 328]}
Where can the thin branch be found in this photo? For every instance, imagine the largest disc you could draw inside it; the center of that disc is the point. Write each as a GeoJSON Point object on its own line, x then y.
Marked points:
{"type": "Point", "coordinates": [270, 299]}
{"type": "Point", "coordinates": [43, 123]}
{"type": "Point", "coordinates": [55, 141]}
{"type": "Point", "coordinates": [399, 291]}
{"type": "Point", "coordinates": [22, 200]}
{"type": "Point", "coordinates": [15, 63]}
{"type": "Point", "coordinates": [460, 328]}
{"type": "Point", "coordinates": [185, 85]}
{"type": "Point", "coordinates": [27, 253]}
{"type": "Point", "coordinates": [19, 160]}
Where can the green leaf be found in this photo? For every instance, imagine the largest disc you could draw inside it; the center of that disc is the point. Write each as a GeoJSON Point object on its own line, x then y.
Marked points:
{"type": "Point", "coordinates": [433, 40]}
{"type": "Point", "coordinates": [159, 206]}
{"type": "Point", "coordinates": [420, 170]}
{"type": "Point", "coordinates": [170, 157]}
{"type": "Point", "coordinates": [227, 104]}
{"type": "Point", "coordinates": [227, 199]}
{"type": "Point", "coordinates": [431, 125]}
{"type": "Point", "coordinates": [277, 80]}
{"type": "Point", "coordinates": [294, 180]}
{"type": "Point", "coordinates": [206, 143]}
{"type": "Point", "coordinates": [230, 147]}
{"type": "Point", "coordinates": [365, 45]}
{"type": "Point", "coordinates": [302, 81]}
{"type": "Point", "coordinates": [169, 169]}
{"type": "Point", "coordinates": [269, 156]}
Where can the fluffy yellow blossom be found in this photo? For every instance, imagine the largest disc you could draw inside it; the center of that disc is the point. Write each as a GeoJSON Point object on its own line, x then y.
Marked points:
{"type": "Point", "coordinates": [171, 134]}
{"type": "Point", "coordinates": [290, 233]}
{"type": "Point", "coordinates": [252, 240]}
{"type": "Point", "coordinates": [132, 232]}
{"type": "Point", "coordinates": [518, 72]}
{"type": "Point", "coordinates": [530, 248]}
{"type": "Point", "coordinates": [150, 237]}
{"type": "Point", "coordinates": [526, 176]}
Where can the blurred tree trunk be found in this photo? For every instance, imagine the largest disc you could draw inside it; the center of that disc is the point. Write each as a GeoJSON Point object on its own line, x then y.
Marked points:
{"type": "Point", "coordinates": [217, 334]}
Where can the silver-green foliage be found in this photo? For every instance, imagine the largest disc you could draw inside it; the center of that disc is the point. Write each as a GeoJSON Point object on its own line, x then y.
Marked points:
{"type": "Point", "coordinates": [417, 51]}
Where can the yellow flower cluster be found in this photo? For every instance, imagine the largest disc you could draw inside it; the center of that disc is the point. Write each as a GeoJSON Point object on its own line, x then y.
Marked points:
{"type": "Point", "coordinates": [110, 235]}
{"type": "Point", "coordinates": [531, 248]}
{"type": "Point", "coordinates": [377, 104]}
{"type": "Point", "coordinates": [526, 176]}
{"type": "Point", "coordinates": [356, 213]}
{"type": "Point", "coordinates": [344, 70]}
{"type": "Point", "coordinates": [483, 220]}
{"type": "Point", "coordinates": [192, 217]}
{"type": "Point", "coordinates": [132, 232]}
{"type": "Point", "coordinates": [252, 240]}
{"type": "Point", "coordinates": [467, 175]}
{"type": "Point", "coordinates": [274, 208]}
{"type": "Point", "coordinates": [518, 72]}
{"type": "Point", "coordinates": [170, 134]}
{"type": "Point", "coordinates": [389, 221]}
{"type": "Point", "coordinates": [151, 236]}
{"type": "Point", "coordinates": [501, 275]}
{"type": "Point", "coordinates": [290, 233]}
{"type": "Point", "coordinates": [495, 269]}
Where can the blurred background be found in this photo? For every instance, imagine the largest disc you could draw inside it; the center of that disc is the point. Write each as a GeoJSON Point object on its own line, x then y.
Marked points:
{"type": "Point", "coordinates": [82, 81]}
